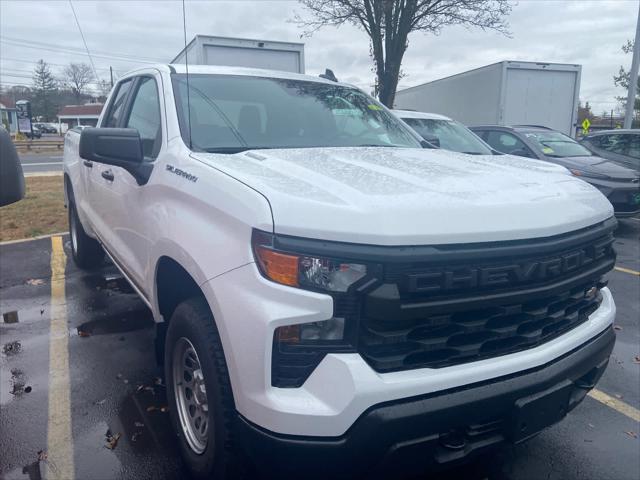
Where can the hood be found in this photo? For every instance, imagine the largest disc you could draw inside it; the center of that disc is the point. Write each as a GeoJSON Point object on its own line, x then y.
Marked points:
{"type": "Point", "coordinates": [597, 165]}
{"type": "Point", "coordinates": [402, 196]}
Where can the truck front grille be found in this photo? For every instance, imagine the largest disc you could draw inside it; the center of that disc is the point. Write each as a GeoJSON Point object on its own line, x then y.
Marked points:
{"type": "Point", "coordinates": [461, 307]}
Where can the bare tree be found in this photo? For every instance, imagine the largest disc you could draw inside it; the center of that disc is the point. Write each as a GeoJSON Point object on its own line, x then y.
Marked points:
{"type": "Point", "coordinates": [76, 77]}
{"type": "Point", "coordinates": [388, 24]}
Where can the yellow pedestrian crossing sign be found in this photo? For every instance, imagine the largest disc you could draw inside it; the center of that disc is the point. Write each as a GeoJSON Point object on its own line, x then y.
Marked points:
{"type": "Point", "coordinates": [585, 126]}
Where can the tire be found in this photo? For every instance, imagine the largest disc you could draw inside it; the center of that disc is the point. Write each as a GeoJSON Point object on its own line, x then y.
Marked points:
{"type": "Point", "coordinates": [87, 252]}
{"type": "Point", "coordinates": [192, 327]}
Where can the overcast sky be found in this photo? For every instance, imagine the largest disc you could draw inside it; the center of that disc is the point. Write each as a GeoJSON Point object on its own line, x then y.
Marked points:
{"type": "Point", "coordinates": [124, 33]}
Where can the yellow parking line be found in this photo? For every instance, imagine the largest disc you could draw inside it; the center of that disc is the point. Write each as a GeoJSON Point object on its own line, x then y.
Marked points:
{"type": "Point", "coordinates": [59, 436]}
{"type": "Point", "coordinates": [627, 270]}
{"type": "Point", "coordinates": [618, 405]}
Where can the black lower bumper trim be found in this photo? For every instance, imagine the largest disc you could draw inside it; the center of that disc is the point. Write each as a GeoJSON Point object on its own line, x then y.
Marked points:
{"type": "Point", "coordinates": [410, 436]}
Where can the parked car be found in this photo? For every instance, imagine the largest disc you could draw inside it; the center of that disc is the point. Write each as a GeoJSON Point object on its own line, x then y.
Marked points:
{"type": "Point", "coordinates": [35, 133]}
{"type": "Point", "coordinates": [45, 128]}
{"type": "Point", "coordinates": [443, 132]}
{"type": "Point", "coordinates": [332, 299]}
{"type": "Point", "coordinates": [621, 185]}
{"type": "Point", "coordinates": [619, 146]}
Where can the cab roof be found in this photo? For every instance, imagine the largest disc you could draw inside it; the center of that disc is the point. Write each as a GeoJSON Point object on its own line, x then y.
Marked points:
{"type": "Point", "coordinates": [425, 115]}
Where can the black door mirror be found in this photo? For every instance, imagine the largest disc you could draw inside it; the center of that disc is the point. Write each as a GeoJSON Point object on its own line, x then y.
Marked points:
{"type": "Point", "coordinates": [430, 141]}
{"type": "Point", "coordinates": [521, 152]}
{"type": "Point", "coordinates": [11, 176]}
{"type": "Point", "coordinates": [120, 147]}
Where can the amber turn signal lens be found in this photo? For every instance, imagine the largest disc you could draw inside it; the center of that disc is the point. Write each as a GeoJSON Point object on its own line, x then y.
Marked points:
{"type": "Point", "coordinates": [279, 267]}
{"type": "Point", "coordinates": [288, 334]}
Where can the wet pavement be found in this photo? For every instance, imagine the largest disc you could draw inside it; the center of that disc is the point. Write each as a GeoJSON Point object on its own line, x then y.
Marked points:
{"type": "Point", "coordinates": [117, 398]}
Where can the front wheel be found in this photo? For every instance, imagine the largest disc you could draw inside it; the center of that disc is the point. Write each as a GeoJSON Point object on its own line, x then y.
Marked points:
{"type": "Point", "coordinates": [199, 392]}
{"type": "Point", "coordinates": [87, 252]}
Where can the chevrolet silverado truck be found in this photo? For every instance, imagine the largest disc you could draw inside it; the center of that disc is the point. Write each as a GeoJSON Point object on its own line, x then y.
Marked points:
{"type": "Point", "coordinates": [331, 298]}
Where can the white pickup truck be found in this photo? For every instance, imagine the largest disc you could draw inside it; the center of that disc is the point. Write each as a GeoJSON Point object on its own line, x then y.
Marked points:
{"type": "Point", "coordinates": [331, 298]}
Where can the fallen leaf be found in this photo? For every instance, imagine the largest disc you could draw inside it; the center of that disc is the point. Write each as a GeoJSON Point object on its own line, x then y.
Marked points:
{"type": "Point", "coordinates": [112, 440]}
{"type": "Point", "coordinates": [636, 359]}
{"type": "Point", "coordinates": [617, 395]}
{"type": "Point", "coordinates": [632, 434]}
{"type": "Point", "coordinates": [35, 281]}
{"type": "Point", "coordinates": [82, 333]}
{"type": "Point", "coordinates": [42, 456]}
{"type": "Point", "coordinates": [617, 327]}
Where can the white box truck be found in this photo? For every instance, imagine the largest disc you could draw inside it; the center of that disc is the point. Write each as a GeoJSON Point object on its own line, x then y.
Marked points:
{"type": "Point", "coordinates": [244, 52]}
{"type": "Point", "coordinates": [504, 93]}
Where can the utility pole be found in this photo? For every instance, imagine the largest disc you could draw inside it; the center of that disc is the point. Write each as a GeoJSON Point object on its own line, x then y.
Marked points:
{"type": "Point", "coordinates": [633, 77]}
{"type": "Point", "coordinates": [111, 73]}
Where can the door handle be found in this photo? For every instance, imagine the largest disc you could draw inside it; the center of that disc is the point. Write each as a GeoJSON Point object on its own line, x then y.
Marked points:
{"type": "Point", "coordinates": [87, 163]}
{"type": "Point", "coordinates": [107, 175]}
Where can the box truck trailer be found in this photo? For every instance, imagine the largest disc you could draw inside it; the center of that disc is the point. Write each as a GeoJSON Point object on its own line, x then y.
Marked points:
{"type": "Point", "coordinates": [504, 93]}
{"type": "Point", "coordinates": [243, 52]}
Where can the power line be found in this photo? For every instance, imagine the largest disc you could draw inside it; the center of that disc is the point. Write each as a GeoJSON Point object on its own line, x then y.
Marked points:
{"type": "Point", "coordinates": [34, 62]}
{"type": "Point", "coordinates": [72, 52]}
{"type": "Point", "coordinates": [77, 50]}
{"type": "Point", "coordinates": [83, 39]}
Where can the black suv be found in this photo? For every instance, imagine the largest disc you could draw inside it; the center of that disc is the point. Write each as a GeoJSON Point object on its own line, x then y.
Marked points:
{"type": "Point", "coordinates": [619, 146]}
{"type": "Point", "coordinates": [621, 185]}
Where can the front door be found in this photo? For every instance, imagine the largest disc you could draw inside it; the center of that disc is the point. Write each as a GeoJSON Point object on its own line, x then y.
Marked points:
{"type": "Point", "coordinates": [118, 197]}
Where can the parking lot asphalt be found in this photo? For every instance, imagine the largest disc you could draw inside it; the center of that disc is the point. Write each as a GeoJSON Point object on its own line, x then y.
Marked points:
{"type": "Point", "coordinates": [77, 365]}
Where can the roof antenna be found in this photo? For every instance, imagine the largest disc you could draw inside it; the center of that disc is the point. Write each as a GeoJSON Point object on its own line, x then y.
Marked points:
{"type": "Point", "coordinates": [329, 75]}
{"type": "Point", "coordinates": [186, 66]}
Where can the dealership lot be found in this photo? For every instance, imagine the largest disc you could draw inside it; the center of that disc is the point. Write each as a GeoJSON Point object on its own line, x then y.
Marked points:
{"type": "Point", "coordinates": [91, 331]}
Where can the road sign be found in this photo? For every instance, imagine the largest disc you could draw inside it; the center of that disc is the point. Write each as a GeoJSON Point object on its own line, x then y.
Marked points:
{"type": "Point", "coordinates": [585, 126]}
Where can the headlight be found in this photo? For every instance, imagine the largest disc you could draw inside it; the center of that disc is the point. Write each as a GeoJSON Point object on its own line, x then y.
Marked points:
{"type": "Point", "coordinates": [299, 348]}
{"type": "Point", "coordinates": [304, 271]}
{"type": "Point", "coordinates": [582, 173]}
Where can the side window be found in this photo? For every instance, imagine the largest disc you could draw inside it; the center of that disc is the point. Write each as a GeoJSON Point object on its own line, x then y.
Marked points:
{"type": "Point", "coordinates": [617, 143]}
{"type": "Point", "coordinates": [507, 143]}
{"type": "Point", "coordinates": [634, 146]}
{"type": "Point", "coordinates": [145, 116]}
{"type": "Point", "coordinates": [114, 114]}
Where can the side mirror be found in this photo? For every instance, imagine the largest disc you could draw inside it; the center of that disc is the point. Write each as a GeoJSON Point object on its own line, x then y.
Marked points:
{"type": "Point", "coordinates": [120, 147]}
{"type": "Point", "coordinates": [11, 176]}
{"type": "Point", "coordinates": [430, 141]}
{"type": "Point", "coordinates": [521, 152]}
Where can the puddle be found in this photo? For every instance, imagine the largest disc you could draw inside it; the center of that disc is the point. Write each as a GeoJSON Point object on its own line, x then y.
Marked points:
{"type": "Point", "coordinates": [10, 317]}
{"type": "Point", "coordinates": [12, 348]}
{"type": "Point", "coordinates": [109, 283]}
{"type": "Point", "coordinates": [125, 322]}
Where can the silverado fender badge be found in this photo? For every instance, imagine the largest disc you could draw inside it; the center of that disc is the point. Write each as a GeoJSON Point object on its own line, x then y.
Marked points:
{"type": "Point", "coordinates": [182, 173]}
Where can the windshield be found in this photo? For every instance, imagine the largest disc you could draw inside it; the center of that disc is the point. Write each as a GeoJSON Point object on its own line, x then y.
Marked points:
{"type": "Point", "coordinates": [230, 114]}
{"type": "Point", "coordinates": [452, 135]}
{"type": "Point", "coordinates": [556, 144]}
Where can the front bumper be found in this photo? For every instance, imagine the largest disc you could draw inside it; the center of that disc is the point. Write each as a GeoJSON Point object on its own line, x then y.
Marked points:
{"type": "Point", "coordinates": [248, 309]}
{"type": "Point", "coordinates": [405, 437]}
{"type": "Point", "coordinates": [623, 196]}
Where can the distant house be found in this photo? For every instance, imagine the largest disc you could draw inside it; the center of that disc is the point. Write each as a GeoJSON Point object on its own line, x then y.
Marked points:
{"type": "Point", "coordinates": [74, 115]}
{"type": "Point", "coordinates": [8, 115]}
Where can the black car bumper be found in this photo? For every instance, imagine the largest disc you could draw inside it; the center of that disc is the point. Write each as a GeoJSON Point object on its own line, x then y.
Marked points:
{"type": "Point", "coordinates": [412, 435]}
{"type": "Point", "coordinates": [625, 200]}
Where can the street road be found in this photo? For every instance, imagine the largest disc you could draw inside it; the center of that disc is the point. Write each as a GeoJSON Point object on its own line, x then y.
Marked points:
{"type": "Point", "coordinates": [91, 332]}
{"type": "Point", "coordinates": [40, 163]}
